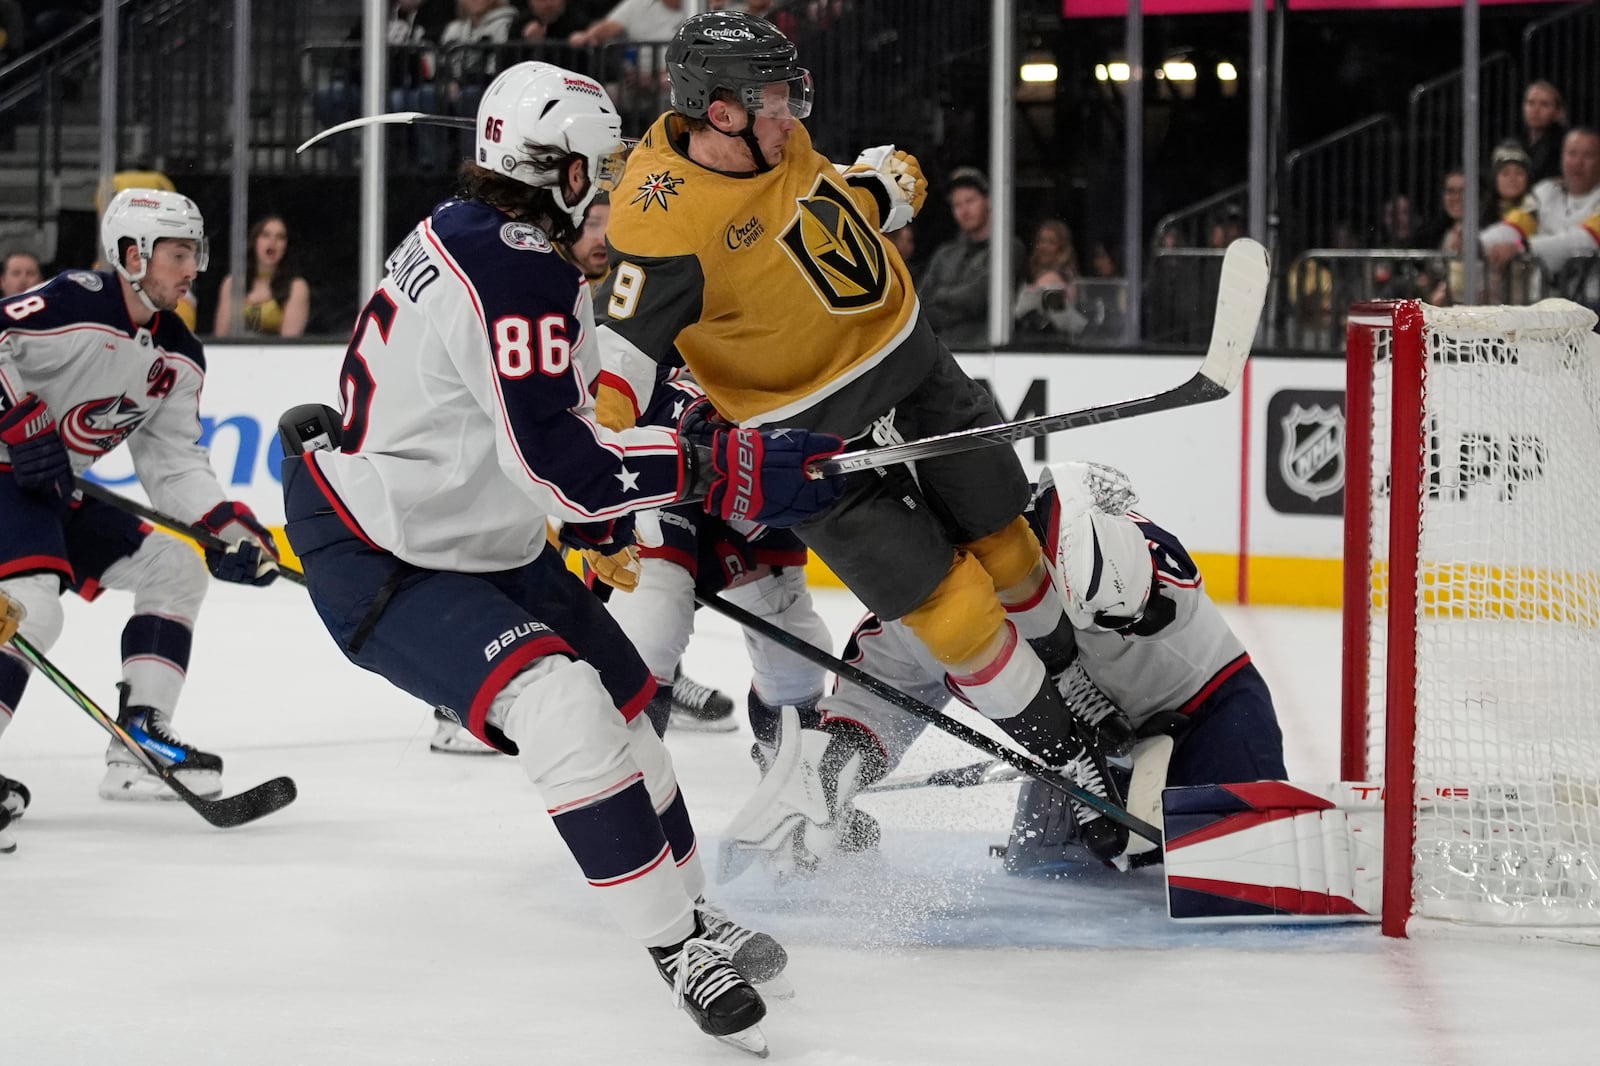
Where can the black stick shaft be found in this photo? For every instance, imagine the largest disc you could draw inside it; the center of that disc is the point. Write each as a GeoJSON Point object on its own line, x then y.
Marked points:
{"type": "Point", "coordinates": [892, 695]}
{"type": "Point", "coordinates": [202, 537]}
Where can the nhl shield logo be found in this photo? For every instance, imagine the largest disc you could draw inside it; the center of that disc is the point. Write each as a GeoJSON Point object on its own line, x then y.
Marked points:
{"type": "Point", "coordinates": [1311, 456]}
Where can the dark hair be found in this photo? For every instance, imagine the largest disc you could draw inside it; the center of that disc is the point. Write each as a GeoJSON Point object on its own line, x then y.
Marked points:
{"type": "Point", "coordinates": [283, 277]}
{"type": "Point", "coordinates": [968, 178]}
{"type": "Point", "coordinates": [538, 205]}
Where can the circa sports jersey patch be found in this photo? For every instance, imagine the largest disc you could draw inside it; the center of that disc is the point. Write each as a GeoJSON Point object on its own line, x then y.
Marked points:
{"type": "Point", "coordinates": [525, 237]}
{"type": "Point", "coordinates": [656, 189]}
{"type": "Point", "coordinates": [89, 281]}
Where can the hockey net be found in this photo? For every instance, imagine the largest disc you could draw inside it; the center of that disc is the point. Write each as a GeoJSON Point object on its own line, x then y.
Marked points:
{"type": "Point", "coordinates": [1472, 610]}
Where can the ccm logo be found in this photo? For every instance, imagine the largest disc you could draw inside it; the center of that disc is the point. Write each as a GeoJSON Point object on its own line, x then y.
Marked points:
{"type": "Point", "coordinates": [510, 637]}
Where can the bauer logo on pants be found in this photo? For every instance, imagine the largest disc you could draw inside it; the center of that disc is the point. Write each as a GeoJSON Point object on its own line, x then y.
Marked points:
{"type": "Point", "coordinates": [1305, 451]}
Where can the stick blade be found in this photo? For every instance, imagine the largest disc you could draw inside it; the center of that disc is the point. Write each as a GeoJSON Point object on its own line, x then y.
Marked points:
{"type": "Point", "coordinates": [247, 806]}
{"type": "Point", "coordinates": [1241, 294]}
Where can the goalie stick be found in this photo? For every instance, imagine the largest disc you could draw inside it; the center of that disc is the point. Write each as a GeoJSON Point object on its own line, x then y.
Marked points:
{"type": "Point", "coordinates": [987, 772]}
{"type": "Point", "coordinates": [224, 813]}
{"type": "Point", "coordinates": [1240, 296]}
{"type": "Point", "coordinates": [917, 708]}
{"type": "Point", "coordinates": [202, 537]}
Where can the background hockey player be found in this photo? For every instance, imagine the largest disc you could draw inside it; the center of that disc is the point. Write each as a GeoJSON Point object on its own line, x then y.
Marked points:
{"type": "Point", "coordinates": [88, 361]}
{"type": "Point", "coordinates": [1154, 655]}
{"type": "Point", "coordinates": [468, 423]}
{"type": "Point", "coordinates": [739, 246]}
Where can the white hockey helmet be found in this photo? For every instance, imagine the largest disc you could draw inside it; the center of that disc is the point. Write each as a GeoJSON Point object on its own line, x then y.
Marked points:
{"type": "Point", "coordinates": [145, 216]}
{"type": "Point", "coordinates": [536, 114]}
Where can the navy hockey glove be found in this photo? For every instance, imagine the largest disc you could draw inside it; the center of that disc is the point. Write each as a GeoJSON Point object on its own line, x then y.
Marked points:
{"type": "Point", "coordinates": [38, 458]}
{"type": "Point", "coordinates": [253, 559]}
{"type": "Point", "coordinates": [755, 475]}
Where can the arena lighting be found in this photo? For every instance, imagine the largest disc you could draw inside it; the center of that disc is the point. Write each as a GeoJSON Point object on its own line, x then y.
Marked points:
{"type": "Point", "coordinates": [1041, 72]}
{"type": "Point", "coordinates": [1178, 70]}
{"type": "Point", "coordinates": [1226, 71]}
{"type": "Point", "coordinates": [1111, 72]}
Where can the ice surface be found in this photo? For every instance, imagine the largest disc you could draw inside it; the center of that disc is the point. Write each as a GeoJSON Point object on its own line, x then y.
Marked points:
{"type": "Point", "coordinates": [413, 908]}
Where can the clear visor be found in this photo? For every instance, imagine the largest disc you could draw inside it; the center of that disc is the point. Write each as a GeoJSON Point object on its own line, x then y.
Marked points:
{"type": "Point", "coordinates": [608, 168]}
{"type": "Point", "coordinates": [780, 99]}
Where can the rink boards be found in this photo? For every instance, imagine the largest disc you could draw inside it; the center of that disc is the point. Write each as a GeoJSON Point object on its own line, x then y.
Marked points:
{"type": "Point", "coordinates": [1253, 483]}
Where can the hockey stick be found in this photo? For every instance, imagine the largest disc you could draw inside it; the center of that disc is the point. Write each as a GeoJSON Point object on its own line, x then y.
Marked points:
{"type": "Point", "coordinates": [987, 772]}
{"type": "Point", "coordinates": [889, 694]}
{"type": "Point", "coordinates": [202, 537]}
{"type": "Point", "coordinates": [394, 118]}
{"type": "Point", "coordinates": [1240, 297]}
{"type": "Point", "coordinates": [224, 813]}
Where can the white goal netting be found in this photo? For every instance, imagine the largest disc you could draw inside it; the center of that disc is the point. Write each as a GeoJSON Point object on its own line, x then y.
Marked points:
{"type": "Point", "coordinates": [1507, 621]}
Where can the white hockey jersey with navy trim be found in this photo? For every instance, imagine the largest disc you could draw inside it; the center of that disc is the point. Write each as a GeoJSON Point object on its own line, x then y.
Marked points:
{"type": "Point", "coordinates": [70, 342]}
{"type": "Point", "coordinates": [466, 395]}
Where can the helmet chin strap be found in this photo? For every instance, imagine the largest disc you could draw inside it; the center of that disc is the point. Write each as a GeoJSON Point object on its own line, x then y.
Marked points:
{"type": "Point", "coordinates": [138, 289]}
{"type": "Point", "coordinates": [748, 136]}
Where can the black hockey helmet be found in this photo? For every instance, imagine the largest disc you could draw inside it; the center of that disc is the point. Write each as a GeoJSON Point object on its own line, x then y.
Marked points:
{"type": "Point", "coordinates": [739, 52]}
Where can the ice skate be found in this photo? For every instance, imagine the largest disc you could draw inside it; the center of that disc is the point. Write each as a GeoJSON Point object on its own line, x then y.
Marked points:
{"type": "Point", "coordinates": [450, 737]}
{"type": "Point", "coordinates": [126, 777]}
{"type": "Point", "coordinates": [758, 957]}
{"type": "Point", "coordinates": [700, 707]}
{"type": "Point", "coordinates": [705, 984]}
{"type": "Point", "coordinates": [14, 796]}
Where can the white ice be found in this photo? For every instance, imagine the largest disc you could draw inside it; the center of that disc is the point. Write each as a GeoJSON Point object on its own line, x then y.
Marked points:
{"type": "Point", "coordinates": [415, 908]}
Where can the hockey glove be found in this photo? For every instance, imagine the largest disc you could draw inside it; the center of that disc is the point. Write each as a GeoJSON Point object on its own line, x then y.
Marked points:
{"type": "Point", "coordinates": [607, 549]}
{"type": "Point", "coordinates": [894, 179]}
{"type": "Point", "coordinates": [11, 616]}
{"type": "Point", "coordinates": [755, 475]}
{"type": "Point", "coordinates": [39, 460]}
{"type": "Point", "coordinates": [251, 558]}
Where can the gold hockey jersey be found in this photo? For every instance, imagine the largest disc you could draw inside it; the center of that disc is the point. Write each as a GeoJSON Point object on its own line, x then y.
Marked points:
{"type": "Point", "coordinates": [776, 288]}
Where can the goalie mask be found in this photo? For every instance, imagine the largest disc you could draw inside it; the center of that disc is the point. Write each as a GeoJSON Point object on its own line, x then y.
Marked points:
{"type": "Point", "coordinates": [145, 216]}
{"type": "Point", "coordinates": [534, 116]}
{"type": "Point", "coordinates": [739, 52]}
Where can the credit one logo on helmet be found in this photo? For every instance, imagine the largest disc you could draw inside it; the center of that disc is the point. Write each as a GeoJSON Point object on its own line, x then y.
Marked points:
{"type": "Point", "coordinates": [1305, 451]}
{"type": "Point", "coordinates": [731, 33]}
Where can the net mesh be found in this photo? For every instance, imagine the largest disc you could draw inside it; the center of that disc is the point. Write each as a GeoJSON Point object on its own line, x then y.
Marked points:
{"type": "Point", "coordinates": [1507, 754]}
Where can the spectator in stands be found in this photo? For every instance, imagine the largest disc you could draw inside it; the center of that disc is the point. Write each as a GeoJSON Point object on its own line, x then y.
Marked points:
{"type": "Point", "coordinates": [954, 288]}
{"type": "Point", "coordinates": [1544, 128]}
{"type": "Point", "coordinates": [904, 240]}
{"type": "Point", "coordinates": [277, 301]}
{"type": "Point", "coordinates": [20, 273]}
{"type": "Point", "coordinates": [1228, 228]}
{"type": "Point", "coordinates": [1047, 299]}
{"type": "Point", "coordinates": [1568, 222]}
{"type": "Point", "coordinates": [411, 70]}
{"type": "Point", "coordinates": [633, 20]}
{"type": "Point", "coordinates": [1105, 297]}
{"type": "Point", "coordinates": [553, 21]}
{"type": "Point", "coordinates": [468, 42]}
{"type": "Point", "coordinates": [1440, 280]}
{"type": "Point", "coordinates": [1511, 178]}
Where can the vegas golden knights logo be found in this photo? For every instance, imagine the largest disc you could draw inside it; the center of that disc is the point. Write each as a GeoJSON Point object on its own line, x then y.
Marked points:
{"type": "Point", "coordinates": [838, 250]}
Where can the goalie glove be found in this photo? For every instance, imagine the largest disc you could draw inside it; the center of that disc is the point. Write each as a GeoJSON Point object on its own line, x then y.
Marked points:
{"type": "Point", "coordinates": [803, 810]}
{"type": "Point", "coordinates": [894, 179]}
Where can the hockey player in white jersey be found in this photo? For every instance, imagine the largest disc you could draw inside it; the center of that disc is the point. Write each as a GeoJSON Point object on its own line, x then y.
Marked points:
{"type": "Point", "coordinates": [1158, 672]}
{"type": "Point", "coordinates": [468, 422]}
{"type": "Point", "coordinates": [88, 361]}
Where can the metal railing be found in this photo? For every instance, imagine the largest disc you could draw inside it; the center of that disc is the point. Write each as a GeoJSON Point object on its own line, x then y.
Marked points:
{"type": "Point", "coordinates": [1190, 226]}
{"type": "Point", "coordinates": [1433, 144]}
{"type": "Point", "coordinates": [1335, 189]}
{"type": "Point", "coordinates": [1565, 50]}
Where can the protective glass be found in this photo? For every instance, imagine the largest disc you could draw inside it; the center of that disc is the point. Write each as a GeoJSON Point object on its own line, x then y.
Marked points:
{"type": "Point", "coordinates": [780, 99]}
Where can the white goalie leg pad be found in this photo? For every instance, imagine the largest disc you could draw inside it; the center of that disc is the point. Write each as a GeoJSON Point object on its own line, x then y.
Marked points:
{"type": "Point", "coordinates": [889, 652]}
{"type": "Point", "coordinates": [576, 749]}
{"type": "Point", "coordinates": [786, 822]}
{"type": "Point", "coordinates": [658, 616]}
{"type": "Point", "coordinates": [780, 676]}
{"type": "Point", "coordinates": [167, 579]}
{"type": "Point", "coordinates": [1271, 851]}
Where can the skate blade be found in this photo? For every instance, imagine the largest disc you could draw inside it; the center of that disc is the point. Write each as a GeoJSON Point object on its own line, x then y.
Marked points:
{"type": "Point", "coordinates": [462, 749]}
{"type": "Point", "coordinates": [751, 1040]}
{"type": "Point", "coordinates": [691, 724]}
{"type": "Point", "coordinates": [138, 785]}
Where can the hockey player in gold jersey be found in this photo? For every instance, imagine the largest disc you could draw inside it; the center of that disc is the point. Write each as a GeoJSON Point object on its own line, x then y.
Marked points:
{"type": "Point", "coordinates": [738, 246]}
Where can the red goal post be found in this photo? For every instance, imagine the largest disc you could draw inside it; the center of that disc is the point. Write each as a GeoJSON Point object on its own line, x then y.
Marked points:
{"type": "Point", "coordinates": [1471, 664]}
